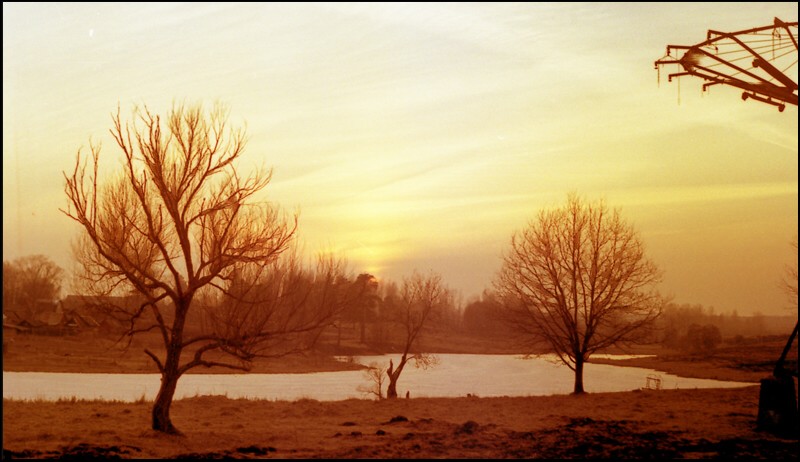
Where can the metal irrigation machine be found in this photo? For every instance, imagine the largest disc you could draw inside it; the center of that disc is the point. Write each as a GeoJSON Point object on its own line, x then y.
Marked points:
{"type": "Point", "coordinates": [763, 63]}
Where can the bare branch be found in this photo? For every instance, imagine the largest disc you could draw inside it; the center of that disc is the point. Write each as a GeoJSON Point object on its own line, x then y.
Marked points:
{"type": "Point", "coordinates": [155, 359]}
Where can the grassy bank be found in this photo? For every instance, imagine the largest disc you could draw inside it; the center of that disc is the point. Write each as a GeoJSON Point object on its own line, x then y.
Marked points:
{"type": "Point", "coordinates": [739, 363]}
{"type": "Point", "coordinates": [640, 424]}
{"type": "Point", "coordinates": [88, 352]}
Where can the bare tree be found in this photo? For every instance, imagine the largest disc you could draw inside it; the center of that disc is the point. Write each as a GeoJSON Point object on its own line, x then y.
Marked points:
{"type": "Point", "coordinates": [421, 299]}
{"type": "Point", "coordinates": [180, 227]}
{"type": "Point", "coordinates": [577, 281]}
{"type": "Point", "coordinates": [376, 375]}
{"type": "Point", "coordinates": [30, 278]}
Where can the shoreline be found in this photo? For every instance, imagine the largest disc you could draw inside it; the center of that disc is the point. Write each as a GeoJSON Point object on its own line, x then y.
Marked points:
{"type": "Point", "coordinates": [687, 369]}
{"type": "Point", "coordinates": [666, 423]}
{"type": "Point", "coordinates": [90, 354]}
{"type": "Point", "coordinates": [310, 365]}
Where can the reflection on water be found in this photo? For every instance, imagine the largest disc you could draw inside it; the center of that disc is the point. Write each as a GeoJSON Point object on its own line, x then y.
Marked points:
{"type": "Point", "coordinates": [455, 375]}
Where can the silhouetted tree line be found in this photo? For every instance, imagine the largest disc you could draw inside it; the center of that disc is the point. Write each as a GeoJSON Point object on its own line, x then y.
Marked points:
{"type": "Point", "coordinates": [29, 279]}
{"type": "Point", "coordinates": [481, 316]}
{"type": "Point", "coordinates": [693, 327]}
{"type": "Point", "coordinates": [376, 317]}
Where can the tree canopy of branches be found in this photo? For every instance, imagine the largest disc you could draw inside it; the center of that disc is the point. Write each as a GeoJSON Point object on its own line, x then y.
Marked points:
{"type": "Point", "coordinates": [180, 226]}
{"type": "Point", "coordinates": [577, 281]}
{"type": "Point", "coordinates": [421, 299]}
{"type": "Point", "coordinates": [28, 279]}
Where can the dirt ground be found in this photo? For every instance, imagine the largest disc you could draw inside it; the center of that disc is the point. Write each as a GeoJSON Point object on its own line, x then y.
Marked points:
{"type": "Point", "coordinates": [649, 424]}
{"type": "Point", "coordinates": [706, 423]}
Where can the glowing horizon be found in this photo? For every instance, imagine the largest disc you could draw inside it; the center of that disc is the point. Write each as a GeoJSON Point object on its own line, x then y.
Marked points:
{"type": "Point", "coordinates": [422, 136]}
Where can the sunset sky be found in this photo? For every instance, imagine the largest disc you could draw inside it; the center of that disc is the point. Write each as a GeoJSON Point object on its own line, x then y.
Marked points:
{"type": "Point", "coordinates": [421, 136]}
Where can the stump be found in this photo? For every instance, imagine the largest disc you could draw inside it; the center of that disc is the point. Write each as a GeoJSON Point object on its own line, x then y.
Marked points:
{"type": "Point", "coordinates": [777, 405]}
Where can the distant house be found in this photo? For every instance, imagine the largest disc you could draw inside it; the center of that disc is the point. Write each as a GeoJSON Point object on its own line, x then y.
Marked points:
{"type": "Point", "coordinates": [106, 312]}
{"type": "Point", "coordinates": [73, 314]}
{"type": "Point", "coordinates": [16, 322]}
{"type": "Point", "coordinates": [77, 321]}
{"type": "Point", "coordinates": [49, 323]}
{"type": "Point", "coordinates": [12, 327]}
{"type": "Point", "coordinates": [12, 317]}
{"type": "Point", "coordinates": [46, 317]}
{"type": "Point", "coordinates": [43, 318]}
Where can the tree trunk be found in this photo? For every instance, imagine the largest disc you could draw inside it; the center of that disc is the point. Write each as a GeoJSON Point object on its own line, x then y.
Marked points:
{"type": "Point", "coordinates": [170, 375]}
{"type": "Point", "coordinates": [394, 374]}
{"type": "Point", "coordinates": [391, 390]}
{"type": "Point", "coordinates": [578, 375]}
{"type": "Point", "coordinates": [161, 407]}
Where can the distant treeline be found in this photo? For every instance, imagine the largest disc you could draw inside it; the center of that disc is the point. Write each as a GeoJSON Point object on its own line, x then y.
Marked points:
{"type": "Point", "coordinates": [677, 321]}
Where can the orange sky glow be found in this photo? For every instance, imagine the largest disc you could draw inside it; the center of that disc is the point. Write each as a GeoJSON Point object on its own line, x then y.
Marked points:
{"type": "Point", "coordinates": [421, 136]}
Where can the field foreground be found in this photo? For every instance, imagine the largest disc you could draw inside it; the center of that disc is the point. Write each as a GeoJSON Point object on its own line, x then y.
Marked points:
{"type": "Point", "coordinates": [705, 423]}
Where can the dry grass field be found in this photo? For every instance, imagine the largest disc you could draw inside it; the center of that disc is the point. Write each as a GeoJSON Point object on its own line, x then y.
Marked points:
{"type": "Point", "coordinates": [718, 423]}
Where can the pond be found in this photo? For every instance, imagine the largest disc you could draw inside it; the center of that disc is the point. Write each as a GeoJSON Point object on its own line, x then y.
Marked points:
{"type": "Point", "coordinates": [454, 375]}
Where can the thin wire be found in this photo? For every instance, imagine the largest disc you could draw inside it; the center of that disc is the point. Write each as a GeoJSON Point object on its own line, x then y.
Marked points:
{"type": "Point", "coordinates": [717, 64]}
{"type": "Point", "coordinates": [755, 48]}
{"type": "Point", "coordinates": [755, 45]}
{"type": "Point", "coordinates": [758, 47]}
{"type": "Point", "coordinates": [794, 63]}
{"type": "Point", "coordinates": [747, 42]}
{"type": "Point", "coordinates": [746, 55]}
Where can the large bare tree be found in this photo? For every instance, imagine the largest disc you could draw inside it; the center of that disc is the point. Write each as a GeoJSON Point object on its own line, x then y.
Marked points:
{"type": "Point", "coordinates": [181, 227]}
{"type": "Point", "coordinates": [577, 281]}
{"type": "Point", "coordinates": [422, 298]}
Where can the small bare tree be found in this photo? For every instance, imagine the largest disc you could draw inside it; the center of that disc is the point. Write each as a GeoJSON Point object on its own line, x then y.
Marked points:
{"type": "Point", "coordinates": [577, 281]}
{"type": "Point", "coordinates": [180, 227]}
{"type": "Point", "coordinates": [422, 298]}
{"type": "Point", "coordinates": [375, 374]}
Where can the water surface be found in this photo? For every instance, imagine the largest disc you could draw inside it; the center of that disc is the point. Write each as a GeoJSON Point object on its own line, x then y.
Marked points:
{"type": "Point", "coordinates": [454, 375]}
